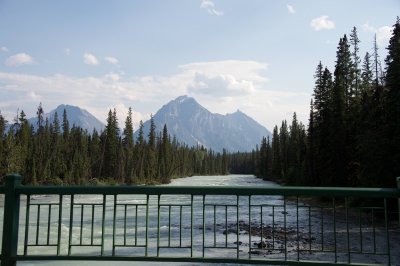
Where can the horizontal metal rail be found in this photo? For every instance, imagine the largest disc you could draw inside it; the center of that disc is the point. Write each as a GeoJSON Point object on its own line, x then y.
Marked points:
{"type": "Point", "coordinates": [207, 190]}
{"type": "Point", "coordinates": [252, 225]}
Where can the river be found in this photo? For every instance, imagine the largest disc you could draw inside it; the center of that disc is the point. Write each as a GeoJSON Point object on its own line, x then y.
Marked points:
{"type": "Point", "coordinates": [293, 224]}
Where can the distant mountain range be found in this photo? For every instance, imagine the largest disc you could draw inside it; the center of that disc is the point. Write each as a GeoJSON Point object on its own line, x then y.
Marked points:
{"type": "Point", "coordinates": [193, 124]}
{"type": "Point", "coordinates": [187, 120]}
{"type": "Point", "coordinates": [76, 116]}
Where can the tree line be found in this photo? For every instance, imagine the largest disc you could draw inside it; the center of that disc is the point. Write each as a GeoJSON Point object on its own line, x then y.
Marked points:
{"type": "Point", "coordinates": [353, 135]}
{"type": "Point", "coordinates": [53, 152]}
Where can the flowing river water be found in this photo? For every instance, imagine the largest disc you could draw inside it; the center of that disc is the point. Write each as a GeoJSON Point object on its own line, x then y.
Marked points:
{"type": "Point", "coordinates": [301, 227]}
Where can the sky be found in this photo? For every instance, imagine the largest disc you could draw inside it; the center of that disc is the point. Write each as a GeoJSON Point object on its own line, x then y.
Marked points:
{"type": "Point", "coordinates": [256, 56]}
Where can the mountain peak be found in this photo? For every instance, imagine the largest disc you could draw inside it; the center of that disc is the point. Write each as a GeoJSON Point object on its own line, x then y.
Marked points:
{"type": "Point", "coordinates": [182, 98]}
{"type": "Point", "coordinates": [194, 125]}
{"type": "Point", "coordinates": [76, 117]}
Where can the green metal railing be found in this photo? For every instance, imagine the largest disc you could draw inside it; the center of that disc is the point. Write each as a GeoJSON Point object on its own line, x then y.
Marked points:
{"type": "Point", "coordinates": [252, 225]}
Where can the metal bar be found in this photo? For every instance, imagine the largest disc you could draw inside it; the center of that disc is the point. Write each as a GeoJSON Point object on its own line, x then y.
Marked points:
{"type": "Point", "coordinates": [373, 228]}
{"type": "Point", "coordinates": [297, 223]}
{"type": "Point", "coordinates": [28, 202]}
{"type": "Point", "coordinates": [191, 226]}
{"type": "Point", "coordinates": [48, 225]}
{"type": "Point", "coordinates": [125, 225]}
{"type": "Point", "coordinates": [284, 225]}
{"type": "Point", "coordinates": [180, 226]}
{"type": "Point", "coordinates": [387, 231]}
{"type": "Point", "coordinates": [38, 225]}
{"type": "Point", "coordinates": [103, 218]}
{"type": "Point", "coordinates": [71, 218]}
{"type": "Point", "coordinates": [226, 226]}
{"type": "Point", "coordinates": [249, 201]}
{"type": "Point", "coordinates": [322, 228]}
{"type": "Point", "coordinates": [147, 225]}
{"type": "Point", "coordinates": [215, 226]}
{"type": "Point", "coordinates": [334, 228]}
{"type": "Point", "coordinates": [91, 230]}
{"type": "Point", "coordinates": [114, 224]}
{"type": "Point", "coordinates": [11, 220]}
{"type": "Point", "coordinates": [309, 227]}
{"type": "Point", "coordinates": [136, 219]}
{"type": "Point", "coordinates": [204, 223]}
{"type": "Point", "coordinates": [347, 229]}
{"type": "Point", "coordinates": [237, 227]}
{"type": "Point", "coordinates": [261, 219]}
{"type": "Point", "coordinates": [59, 224]}
{"type": "Point", "coordinates": [158, 225]}
{"type": "Point", "coordinates": [398, 200]}
{"type": "Point", "coordinates": [81, 228]}
{"type": "Point", "coordinates": [209, 190]}
{"type": "Point", "coordinates": [360, 222]}
{"type": "Point", "coordinates": [169, 226]}
{"type": "Point", "coordinates": [273, 227]}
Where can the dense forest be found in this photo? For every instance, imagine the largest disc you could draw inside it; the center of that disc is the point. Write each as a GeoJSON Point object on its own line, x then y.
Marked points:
{"type": "Point", "coordinates": [353, 135]}
{"type": "Point", "coordinates": [352, 138]}
{"type": "Point", "coordinates": [53, 153]}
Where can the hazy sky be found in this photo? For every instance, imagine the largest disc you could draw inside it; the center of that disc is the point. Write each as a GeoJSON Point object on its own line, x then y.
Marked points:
{"type": "Point", "coordinates": [258, 56]}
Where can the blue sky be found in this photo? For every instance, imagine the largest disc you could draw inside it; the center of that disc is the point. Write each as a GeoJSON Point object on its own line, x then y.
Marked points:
{"type": "Point", "coordinates": [258, 56]}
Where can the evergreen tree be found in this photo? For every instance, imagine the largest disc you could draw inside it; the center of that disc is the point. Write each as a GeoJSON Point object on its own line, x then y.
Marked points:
{"type": "Point", "coordinates": [128, 147]}
{"type": "Point", "coordinates": [356, 62]}
{"type": "Point", "coordinates": [111, 145]}
{"type": "Point", "coordinates": [392, 82]}
{"type": "Point", "coordinates": [151, 155]}
{"type": "Point", "coordinates": [338, 156]}
{"type": "Point", "coordinates": [276, 154]}
{"type": "Point", "coordinates": [367, 76]}
{"type": "Point", "coordinates": [3, 123]}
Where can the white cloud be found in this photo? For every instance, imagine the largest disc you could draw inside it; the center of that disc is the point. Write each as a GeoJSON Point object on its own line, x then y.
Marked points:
{"type": "Point", "coordinates": [322, 23]}
{"type": "Point", "coordinates": [19, 60]}
{"type": "Point", "coordinates": [90, 59]}
{"type": "Point", "coordinates": [225, 78]}
{"type": "Point", "coordinates": [291, 9]}
{"type": "Point", "coordinates": [367, 27]}
{"type": "Point", "coordinates": [210, 7]}
{"type": "Point", "coordinates": [111, 60]}
{"type": "Point", "coordinates": [220, 86]}
{"type": "Point", "coordinates": [112, 77]}
{"type": "Point", "coordinates": [383, 34]}
{"type": "Point", "coordinates": [34, 96]}
{"type": "Point", "coordinates": [4, 49]}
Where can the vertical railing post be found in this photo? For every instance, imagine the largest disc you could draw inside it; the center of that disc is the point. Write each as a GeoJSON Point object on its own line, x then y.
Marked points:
{"type": "Point", "coordinates": [11, 220]}
{"type": "Point", "coordinates": [398, 200]}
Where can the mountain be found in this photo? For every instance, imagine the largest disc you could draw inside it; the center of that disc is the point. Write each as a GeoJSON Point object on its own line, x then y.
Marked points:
{"type": "Point", "coordinates": [76, 116]}
{"type": "Point", "coordinates": [193, 124]}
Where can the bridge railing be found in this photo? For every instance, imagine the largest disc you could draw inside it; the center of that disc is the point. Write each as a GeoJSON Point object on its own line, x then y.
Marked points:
{"type": "Point", "coordinates": [254, 225]}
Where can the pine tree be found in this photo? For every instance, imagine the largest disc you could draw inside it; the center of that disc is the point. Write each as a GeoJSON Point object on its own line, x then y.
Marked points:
{"type": "Point", "coordinates": [354, 41]}
{"type": "Point", "coordinates": [339, 105]}
{"type": "Point", "coordinates": [392, 80]}
{"type": "Point", "coordinates": [284, 142]}
{"type": "Point", "coordinates": [129, 147]}
{"type": "Point", "coordinates": [276, 155]}
{"type": "Point", "coordinates": [140, 153]}
{"type": "Point", "coordinates": [151, 155]}
{"type": "Point", "coordinates": [3, 123]}
{"type": "Point", "coordinates": [367, 76]}
{"type": "Point", "coordinates": [312, 144]}
{"type": "Point", "coordinates": [111, 145]}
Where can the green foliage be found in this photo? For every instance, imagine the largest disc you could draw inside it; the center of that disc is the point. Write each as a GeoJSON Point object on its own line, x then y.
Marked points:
{"type": "Point", "coordinates": [353, 136]}
{"type": "Point", "coordinates": [56, 154]}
